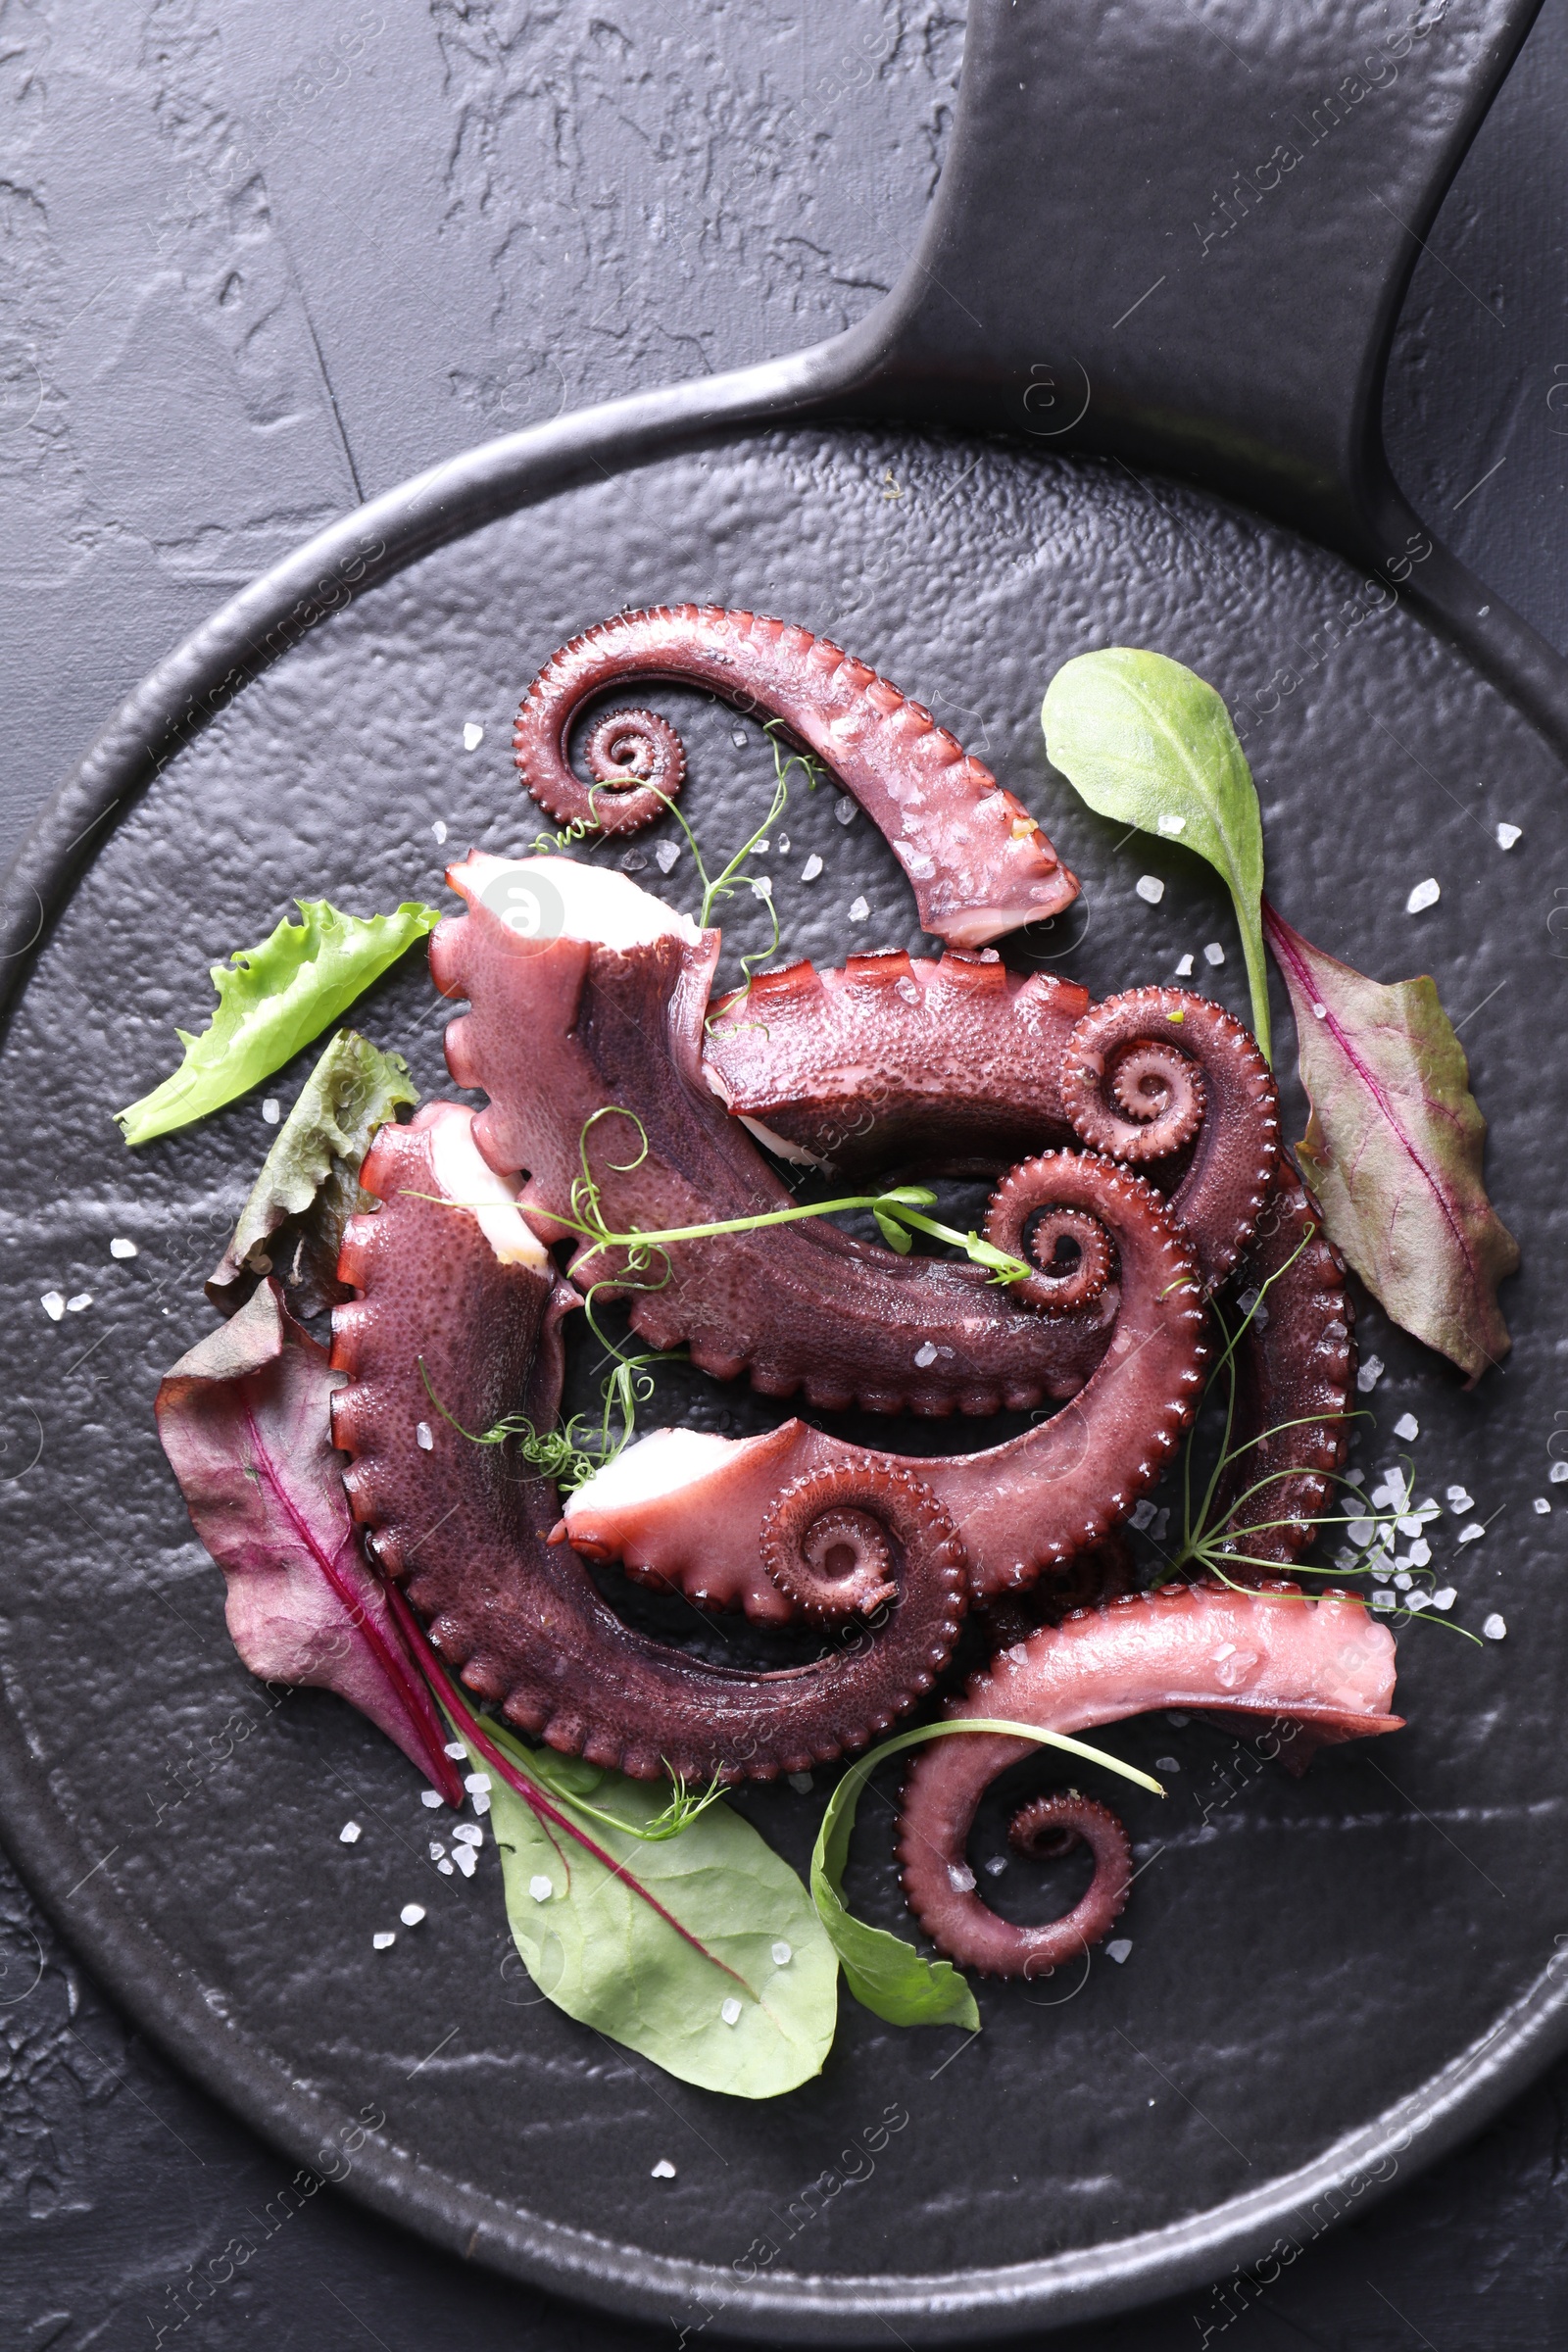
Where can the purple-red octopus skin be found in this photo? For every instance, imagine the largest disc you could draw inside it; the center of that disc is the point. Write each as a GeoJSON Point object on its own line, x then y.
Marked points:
{"type": "Point", "coordinates": [455, 1324]}
{"type": "Point", "coordinates": [1326, 1665]}
{"type": "Point", "coordinates": [588, 1044]}
{"type": "Point", "coordinates": [898, 1060]}
{"type": "Point", "coordinates": [684, 1508]}
{"type": "Point", "coordinates": [977, 863]}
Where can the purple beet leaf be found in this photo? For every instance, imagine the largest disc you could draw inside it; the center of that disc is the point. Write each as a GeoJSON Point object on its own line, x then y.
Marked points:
{"type": "Point", "coordinates": [245, 1421]}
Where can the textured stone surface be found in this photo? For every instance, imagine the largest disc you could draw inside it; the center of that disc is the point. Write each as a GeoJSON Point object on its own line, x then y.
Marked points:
{"type": "Point", "coordinates": [124, 2176]}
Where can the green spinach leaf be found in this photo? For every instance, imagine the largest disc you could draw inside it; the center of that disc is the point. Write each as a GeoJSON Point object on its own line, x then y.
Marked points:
{"type": "Point", "coordinates": [273, 1000]}
{"type": "Point", "coordinates": [1147, 743]}
{"type": "Point", "coordinates": [885, 1975]}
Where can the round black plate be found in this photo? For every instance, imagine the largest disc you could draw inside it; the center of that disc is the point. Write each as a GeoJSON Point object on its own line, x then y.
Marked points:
{"type": "Point", "coordinates": [1327, 1981]}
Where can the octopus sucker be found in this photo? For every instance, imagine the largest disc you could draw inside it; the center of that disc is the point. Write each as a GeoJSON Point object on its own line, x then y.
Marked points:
{"type": "Point", "coordinates": [1326, 1665]}
{"type": "Point", "coordinates": [872, 738]}
{"type": "Point", "coordinates": [466, 1529]}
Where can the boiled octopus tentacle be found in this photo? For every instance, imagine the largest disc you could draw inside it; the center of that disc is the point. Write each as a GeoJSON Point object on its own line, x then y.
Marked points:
{"type": "Point", "coordinates": [462, 1525]}
{"type": "Point", "coordinates": [683, 1508]}
{"type": "Point", "coordinates": [977, 863]}
{"type": "Point", "coordinates": [607, 1017]}
{"type": "Point", "coordinates": [1325, 1664]}
{"type": "Point", "coordinates": [1294, 1373]}
{"type": "Point", "coordinates": [896, 1059]}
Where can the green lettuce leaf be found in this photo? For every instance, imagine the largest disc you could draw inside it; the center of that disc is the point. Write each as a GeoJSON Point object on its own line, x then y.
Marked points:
{"type": "Point", "coordinates": [1393, 1150]}
{"type": "Point", "coordinates": [1147, 743]}
{"type": "Point", "coordinates": [309, 1186]}
{"type": "Point", "coordinates": [647, 1942]}
{"type": "Point", "coordinates": [885, 1975]}
{"type": "Point", "coordinates": [272, 1001]}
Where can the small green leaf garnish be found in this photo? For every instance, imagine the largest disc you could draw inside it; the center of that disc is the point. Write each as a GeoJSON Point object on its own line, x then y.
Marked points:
{"type": "Point", "coordinates": [1146, 742]}
{"type": "Point", "coordinates": [273, 1000]}
{"type": "Point", "coordinates": [309, 1186]}
{"type": "Point", "coordinates": [885, 1975]}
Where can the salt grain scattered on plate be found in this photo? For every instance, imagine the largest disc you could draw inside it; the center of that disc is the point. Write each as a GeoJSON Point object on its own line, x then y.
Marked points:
{"type": "Point", "coordinates": [1119, 1950]}
{"type": "Point", "coordinates": [384, 1939]}
{"type": "Point", "coordinates": [1402, 1579]}
{"type": "Point", "coordinates": [430, 1797]}
{"type": "Point", "coordinates": [801, 1783]}
{"type": "Point", "coordinates": [1166, 1764]}
{"type": "Point", "coordinates": [730, 2011]}
{"type": "Point", "coordinates": [74, 1304]}
{"type": "Point", "coordinates": [541, 1886]}
{"type": "Point", "coordinates": [812, 868]}
{"type": "Point", "coordinates": [1420, 1553]}
{"type": "Point", "coordinates": [858, 910]}
{"type": "Point", "coordinates": [738, 736]}
{"type": "Point", "coordinates": [423, 1437]}
{"type": "Point", "coordinates": [1383, 1600]}
{"type": "Point", "coordinates": [1507, 835]}
{"type": "Point", "coordinates": [467, 1833]}
{"type": "Point", "coordinates": [1183, 970]}
{"type": "Point", "coordinates": [1425, 894]}
{"type": "Point", "coordinates": [1355, 1478]}
{"type": "Point", "coordinates": [960, 1878]}
{"type": "Point", "coordinates": [121, 1248]}
{"type": "Point", "coordinates": [844, 810]}
{"type": "Point", "coordinates": [272, 1110]}
{"type": "Point", "coordinates": [1149, 888]}
{"type": "Point", "coordinates": [52, 1303]}
{"type": "Point", "coordinates": [445, 1868]}
{"type": "Point", "coordinates": [437, 1851]}
{"type": "Point", "coordinates": [456, 1750]}
{"type": "Point", "coordinates": [1371, 1372]}
{"type": "Point", "coordinates": [1407, 1426]}
{"type": "Point", "coordinates": [1171, 822]}
{"type": "Point", "coordinates": [440, 831]}
{"type": "Point", "coordinates": [350, 1833]}
{"type": "Point", "coordinates": [1495, 1627]}
{"type": "Point", "coordinates": [464, 1857]}
{"type": "Point", "coordinates": [783, 1954]}
{"type": "Point", "coordinates": [763, 884]}
{"type": "Point", "coordinates": [783, 845]}
{"type": "Point", "coordinates": [1215, 954]}
{"type": "Point", "coordinates": [1417, 1601]}
{"type": "Point", "coordinates": [1542, 1505]}
{"type": "Point", "coordinates": [926, 1355]}
{"type": "Point", "coordinates": [665, 854]}
{"type": "Point", "coordinates": [1464, 1501]}
{"type": "Point", "coordinates": [1557, 1474]}
{"type": "Point", "coordinates": [995, 1866]}
{"type": "Point", "coordinates": [472, 735]}
{"type": "Point", "coordinates": [1143, 1515]}
{"type": "Point", "coordinates": [1471, 1534]}
{"type": "Point", "coordinates": [477, 1784]}
{"type": "Point", "coordinates": [663, 2170]}
{"type": "Point", "coordinates": [1445, 1596]}
{"type": "Point", "coordinates": [1320, 1013]}
{"type": "Point", "coordinates": [412, 1914]}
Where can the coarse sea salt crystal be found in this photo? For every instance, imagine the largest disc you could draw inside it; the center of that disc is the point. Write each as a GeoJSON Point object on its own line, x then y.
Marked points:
{"type": "Point", "coordinates": [1119, 1950]}
{"type": "Point", "coordinates": [1320, 1013]}
{"type": "Point", "coordinates": [845, 809]}
{"type": "Point", "coordinates": [812, 868]}
{"type": "Point", "coordinates": [52, 1303]}
{"type": "Point", "coordinates": [1462, 1500]}
{"type": "Point", "coordinates": [1215, 954]}
{"type": "Point", "coordinates": [438, 828]}
{"type": "Point", "coordinates": [541, 1886]}
{"type": "Point", "coordinates": [665, 854]}
{"type": "Point", "coordinates": [1183, 970]}
{"type": "Point", "coordinates": [663, 2170]}
{"type": "Point", "coordinates": [76, 1304]}
{"type": "Point", "coordinates": [120, 1247]}
{"type": "Point", "coordinates": [1542, 1505]}
{"type": "Point", "coordinates": [272, 1110]}
{"type": "Point", "coordinates": [738, 737]}
{"type": "Point", "coordinates": [437, 1851]}
{"type": "Point", "coordinates": [1420, 1553]}
{"type": "Point", "coordinates": [1471, 1534]}
{"type": "Point", "coordinates": [456, 1750]}
{"type": "Point", "coordinates": [801, 1783]}
{"type": "Point", "coordinates": [384, 1939]}
{"type": "Point", "coordinates": [1407, 1426]}
{"type": "Point", "coordinates": [1144, 1515]}
{"type": "Point", "coordinates": [445, 1868]}
{"type": "Point", "coordinates": [1362, 1530]}
{"type": "Point", "coordinates": [431, 1797]}
{"type": "Point", "coordinates": [1445, 1596]}
{"type": "Point", "coordinates": [960, 1878]}
{"type": "Point", "coordinates": [1425, 894]}
{"type": "Point", "coordinates": [1149, 888]}
{"type": "Point", "coordinates": [995, 1866]}
{"type": "Point", "coordinates": [1383, 1600]}
{"type": "Point", "coordinates": [1495, 1627]}
{"type": "Point", "coordinates": [423, 1437]}
{"type": "Point", "coordinates": [464, 1857]}
{"type": "Point", "coordinates": [1417, 1601]}
{"type": "Point", "coordinates": [859, 909]}
{"type": "Point", "coordinates": [1171, 822]}
{"type": "Point", "coordinates": [350, 1833]}
{"type": "Point", "coordinates": [730, 2011]}
{"type": "Point", "coordinates": [1166, 1764]}
{"type": "Point", "coordinates": [467, 1833]}
{"type": "Point", "coordinates": [412, 1914]}
{"type": "Point", "coordinates": [1371, 1372]}
{"type": "Point", "coordinates": [925, 1354]}
{"type": "Point", "coordinates": [763, 884]}
{"type": "Point", "coordinates": [1507, 835]}
{"type": "Point", "coordinates": [472, 735]}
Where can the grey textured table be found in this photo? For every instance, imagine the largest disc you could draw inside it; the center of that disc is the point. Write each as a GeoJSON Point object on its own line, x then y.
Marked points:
{"type": "Point", "coordinates": [260, 261]}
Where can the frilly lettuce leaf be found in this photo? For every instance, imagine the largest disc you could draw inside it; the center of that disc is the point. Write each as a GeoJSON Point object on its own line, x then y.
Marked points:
{"type": "Point", "coordinates": [273, 1000]}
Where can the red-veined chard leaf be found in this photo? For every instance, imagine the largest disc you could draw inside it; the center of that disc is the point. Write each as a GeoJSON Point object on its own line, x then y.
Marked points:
{"type": "Point", "coordinates": [885, 1975]}
{"type": "Point", "coordinates": [245, 1422]}
{"type": "Point", "coordinates": [308, 1185]}
{"type": "Point", "coordinates": [273, 1000]}
{"type": "Point", "coordinates": [1393, 1150]}
{"type": "Point", "coordinates": [1146, 742]}
{"type": "Point", "coordinates": [699, 1951]}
